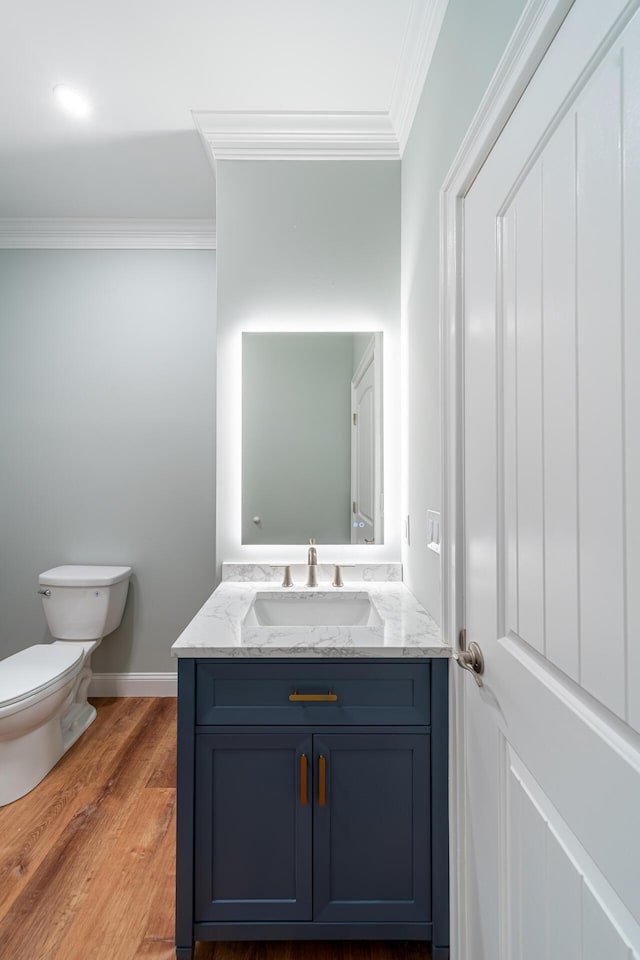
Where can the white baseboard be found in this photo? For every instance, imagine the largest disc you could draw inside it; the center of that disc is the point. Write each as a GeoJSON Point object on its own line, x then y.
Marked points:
{"type": "Point", "coordinates": [133, 685]}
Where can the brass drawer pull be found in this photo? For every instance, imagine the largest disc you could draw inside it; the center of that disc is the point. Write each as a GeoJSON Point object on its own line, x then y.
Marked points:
{"type": "Point", "coordinates": [322, 781]}
{"type": "Point", "coordinates": [297, 697]}
{"type": "Point", "coordinates": [303, 779]}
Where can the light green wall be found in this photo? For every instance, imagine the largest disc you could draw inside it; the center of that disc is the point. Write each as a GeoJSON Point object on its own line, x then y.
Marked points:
{"type": "Point", "coordinates": [296, 437]}
{"type": "Point", "coordinates": [302, 246]}
{"type": "Point", "coordinates": [471, 42]}
{"type": "Point", "coordinates": [306, 238]}
{"type": "Point", "coordinates": [107, 437]}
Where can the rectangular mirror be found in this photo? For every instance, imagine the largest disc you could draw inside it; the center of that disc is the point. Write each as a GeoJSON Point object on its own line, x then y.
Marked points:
{"type": "Point", "coordinates": [312, 438]}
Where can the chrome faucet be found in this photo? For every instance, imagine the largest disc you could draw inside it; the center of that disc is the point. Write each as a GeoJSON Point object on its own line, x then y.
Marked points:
{"type": "Point", "coordinates": [312, 565]}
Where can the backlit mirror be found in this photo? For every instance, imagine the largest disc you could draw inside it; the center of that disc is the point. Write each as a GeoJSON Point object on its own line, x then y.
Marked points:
{"type": "Point", "coordinates": [312, 438]}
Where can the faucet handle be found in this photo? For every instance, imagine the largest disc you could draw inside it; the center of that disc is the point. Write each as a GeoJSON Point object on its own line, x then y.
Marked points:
{"type": "Point", "coordinates": [337, 577]}
{"type": "Point", "coordinates": [286, 580]}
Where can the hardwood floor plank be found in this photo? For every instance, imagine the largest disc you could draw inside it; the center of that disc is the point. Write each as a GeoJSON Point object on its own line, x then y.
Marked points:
{"type": "Point", "coordinates": [45, 907]}
{"type": "Point", "coordinates": [132, 767]}
{"type": "Point", "coordinates": [29, 827]}
{"type": "Point", "coordinates": [157, 950]}
{"type": "Point", "coordinates": [163, 762]}
{"type": "Point", "coordinates": [124, 886]}
{"type": "Point", "coordinates": [164, 770]}
{"type": "Point", "coordinates": [161, 916]}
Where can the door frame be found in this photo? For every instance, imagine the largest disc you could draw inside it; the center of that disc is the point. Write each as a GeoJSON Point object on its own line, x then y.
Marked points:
{"type": "Point", "coordinates": [371, 355]}
{"type": "Point", "coordinates": [533, 34]}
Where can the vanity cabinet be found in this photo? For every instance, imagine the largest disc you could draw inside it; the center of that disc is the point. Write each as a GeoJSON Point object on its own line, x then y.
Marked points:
{"type": "Point", "coordinates": [303, 821]}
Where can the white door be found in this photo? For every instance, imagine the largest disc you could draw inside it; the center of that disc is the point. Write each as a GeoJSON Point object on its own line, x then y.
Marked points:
{"type": "Point", "coordinates": [366, 454]}
{"type": "Point", "coordinates": [552, 508]}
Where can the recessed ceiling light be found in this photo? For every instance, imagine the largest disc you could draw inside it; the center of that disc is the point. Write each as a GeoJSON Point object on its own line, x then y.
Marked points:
{"type": "Point", "coordinates": [72, 101]}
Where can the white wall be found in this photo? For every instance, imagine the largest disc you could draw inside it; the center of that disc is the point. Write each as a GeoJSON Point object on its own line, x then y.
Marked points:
{"type": "Point", "coordinates": [107, 437]}
{"type": "Point", "coordinates": [305, 245]}
{"type": "Point", "coordinates": [471, 42]}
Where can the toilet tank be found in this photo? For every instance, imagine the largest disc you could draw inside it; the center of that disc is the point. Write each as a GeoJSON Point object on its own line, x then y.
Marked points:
{"type": "Point", "coordinates": [83, 602]}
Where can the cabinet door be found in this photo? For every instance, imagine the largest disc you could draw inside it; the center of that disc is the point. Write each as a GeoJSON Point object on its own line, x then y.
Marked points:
{"type": "Point", "coordinates": [253, 828]}
{"type": "Point", "coordinates": [372, 849]}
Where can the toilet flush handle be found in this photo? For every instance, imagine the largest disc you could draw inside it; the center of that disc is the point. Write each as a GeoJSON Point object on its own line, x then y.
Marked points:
{"type": "Point", "coordinates": [44, 592]}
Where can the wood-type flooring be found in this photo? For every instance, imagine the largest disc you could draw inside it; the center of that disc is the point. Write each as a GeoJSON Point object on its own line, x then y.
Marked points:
{"type": "Point", "coordinates": [87, 858]}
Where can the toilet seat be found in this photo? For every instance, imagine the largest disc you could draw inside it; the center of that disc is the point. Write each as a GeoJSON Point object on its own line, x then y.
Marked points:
{"type": "Point", "coordinates": [34, 673]}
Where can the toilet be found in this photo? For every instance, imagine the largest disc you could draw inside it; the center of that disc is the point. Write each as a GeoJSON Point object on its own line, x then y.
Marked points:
{"type": "Point", "coordinates": [43, 689]}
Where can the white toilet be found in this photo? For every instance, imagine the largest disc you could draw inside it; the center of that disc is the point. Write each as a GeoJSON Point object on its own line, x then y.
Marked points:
{"type": "Point", "coordinates": [43, 689]}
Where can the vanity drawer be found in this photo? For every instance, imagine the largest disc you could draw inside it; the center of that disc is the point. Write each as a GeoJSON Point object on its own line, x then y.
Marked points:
{"type": "Point", "coordinates": [253, 692]}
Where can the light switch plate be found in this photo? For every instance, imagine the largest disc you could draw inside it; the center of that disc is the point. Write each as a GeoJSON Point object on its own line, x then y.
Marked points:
{"type": "Point", "coordinates": [407, 530]}
{"type": "Point", "coordinates": [433, 530]}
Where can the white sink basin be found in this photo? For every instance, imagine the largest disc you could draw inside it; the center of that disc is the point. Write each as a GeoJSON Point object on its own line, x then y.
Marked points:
{"type": "Point", "coordinates": [312, 609]}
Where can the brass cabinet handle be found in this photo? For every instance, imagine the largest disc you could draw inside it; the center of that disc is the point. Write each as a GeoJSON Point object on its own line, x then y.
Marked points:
{"type": "Point", "coordinates": [296, 697]}
{"type": "Point", "coordinates": [322, 781]}
{"type": "Point", "coordinates": [303, 779]}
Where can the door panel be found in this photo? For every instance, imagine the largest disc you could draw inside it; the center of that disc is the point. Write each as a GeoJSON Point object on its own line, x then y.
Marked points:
{"type": "Point", "coordinates": [376, 815]}
{"type": "Point", "coordinates": [564, 444]}
{"type": "Point", "coordinates": [631, 380]}
{"type": "Point", "coordinates": [528, 405]}
{"type": "Point", "coordinates": [558, 902]}
{"type": "Point", "coordinates": [600, 420]}
{"type": "Point", "coordinates": [552, 538]}
{"type": "Point", "coordinates": [559, 256]}
{"type": "Point", "coordinates": [253, 833]}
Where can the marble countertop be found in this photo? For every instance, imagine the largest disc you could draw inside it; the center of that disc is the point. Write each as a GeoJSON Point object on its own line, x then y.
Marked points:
{"type": "Point", "coordinates": [219, 630]}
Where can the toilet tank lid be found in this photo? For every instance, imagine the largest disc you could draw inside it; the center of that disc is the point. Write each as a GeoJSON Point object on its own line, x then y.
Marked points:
{"type": "Point", "coordinates": [28, 671]}
{"type": "Point", "coordinates": [88, 575]}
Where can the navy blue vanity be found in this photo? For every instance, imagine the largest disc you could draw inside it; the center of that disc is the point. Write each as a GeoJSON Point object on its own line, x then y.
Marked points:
{"type": "Point", "coordinates": [312, 799]}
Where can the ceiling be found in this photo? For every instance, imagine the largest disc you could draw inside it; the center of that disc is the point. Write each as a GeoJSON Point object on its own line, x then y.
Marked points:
{"type": "Point", "coordinates": [146, 64]}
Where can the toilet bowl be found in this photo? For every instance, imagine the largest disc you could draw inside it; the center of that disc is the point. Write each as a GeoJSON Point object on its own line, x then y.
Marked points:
{"type": "Point", "coordinates": [36, 687]}
{"type": "Point", "coordinates": [43, 689]}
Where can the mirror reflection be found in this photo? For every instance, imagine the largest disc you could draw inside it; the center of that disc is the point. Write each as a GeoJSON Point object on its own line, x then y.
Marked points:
{"type": "Point", "coordinates": [312, 438]}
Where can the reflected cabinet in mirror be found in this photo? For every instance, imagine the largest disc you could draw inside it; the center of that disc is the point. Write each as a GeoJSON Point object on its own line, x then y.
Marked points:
{"type": "Point", "coordinates": [312, 438]}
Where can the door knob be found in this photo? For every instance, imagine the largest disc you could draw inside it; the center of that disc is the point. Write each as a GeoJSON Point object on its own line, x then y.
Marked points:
{"type": "Point", "coordinates": [470, 658]}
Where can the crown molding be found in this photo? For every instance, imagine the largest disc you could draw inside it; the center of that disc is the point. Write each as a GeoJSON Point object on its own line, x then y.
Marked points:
{"type": "Point", "coordinates": [83, 233]}
{"type": "Point", "coordinates": [297, 136]}
{"type": "Point", "coordinates": [312, 135]}
{"type": "Point", "coordinates": [421, 36]}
